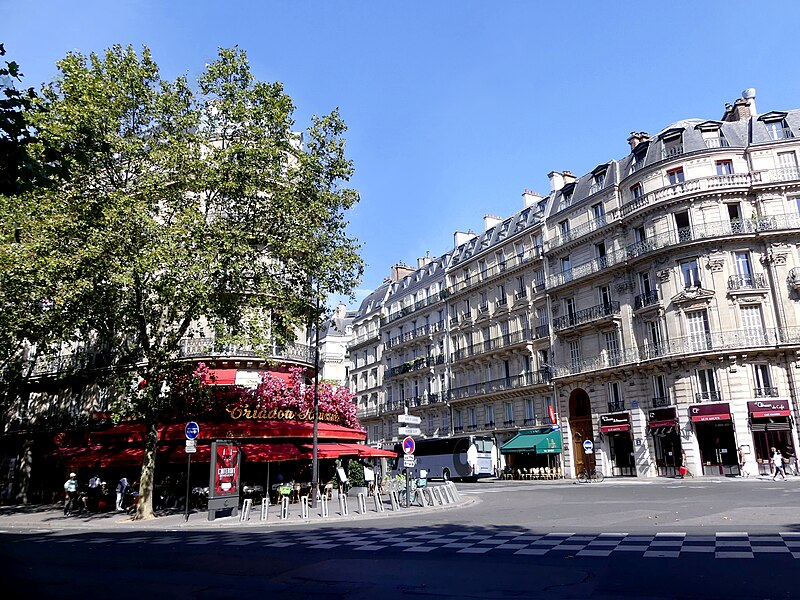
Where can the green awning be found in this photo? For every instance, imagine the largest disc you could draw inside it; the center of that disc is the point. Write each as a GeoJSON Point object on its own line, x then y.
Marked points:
{"type": "Point", "coordinates": [534, 441]}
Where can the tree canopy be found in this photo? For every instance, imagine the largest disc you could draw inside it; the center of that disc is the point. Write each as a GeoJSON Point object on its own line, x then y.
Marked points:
{"type": "Point", "coordinates": [181, 206]}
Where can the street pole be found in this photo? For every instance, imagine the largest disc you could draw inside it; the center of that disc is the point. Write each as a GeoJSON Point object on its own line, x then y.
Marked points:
{"type": "Point", "coordinates": [315, 452]}
{"type": "Point", "coordinates": [188, 473]}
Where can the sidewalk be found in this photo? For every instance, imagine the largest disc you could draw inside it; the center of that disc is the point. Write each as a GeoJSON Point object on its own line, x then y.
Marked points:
{"type": "Point", "coordinates": [51, 517]}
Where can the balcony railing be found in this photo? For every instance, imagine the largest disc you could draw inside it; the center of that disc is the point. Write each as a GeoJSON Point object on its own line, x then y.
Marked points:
{"type": "Point", "coordinates": [616, 405]}
{"type": "Point", "coordinates": [582, 230]}
{"type": "Point", "coordinates": [660, 401]}
{"type": "Point", "coordinates": [709, 396]}
{"type": "Point", "coordinates": [765, 392]}
{"type": "Point", "coordinates": [582, 270]}
{"type": "Point", "coordinates": [529, 421]}
{"type": "Point", "coordinates": [498, 385]}
{"type": "Point", "coordinates": [542, 331]}
{"type": "Point", "coordinates": [210, 347]}
{"type": "Point", "coordinates": [362, 413]}
{"type": "Point", "coordinates": [497, 343]}
{"type": "Point", "coordinates": [419, 332]}
{"type": "Point", "coordinates": [719, 142]}
{"type": "Point", "coordinates": [412, 308]}
{"type": "Point", "coordinates": [60, 364]}
{"type": "Point", "coordinates": [489, 425]}
{"type": "Point", "coordinates": [672, 151]}
{"type": "Point", "coordinates": [508, 423]}
{"type": "Point", "coordinates": [747, 282]}
{"type": "Point", "coordinates": [647, 299]}
{"type": "Point", "coordinates": [496, 269]}
{"type": "Point", "coordinates": [587, 315]}
{"type": "Point", "coordinates": [417, 364]}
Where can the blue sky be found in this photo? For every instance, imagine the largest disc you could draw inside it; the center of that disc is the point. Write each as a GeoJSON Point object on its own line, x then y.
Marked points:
{"type": "Point", "coordinates": [453, 108]}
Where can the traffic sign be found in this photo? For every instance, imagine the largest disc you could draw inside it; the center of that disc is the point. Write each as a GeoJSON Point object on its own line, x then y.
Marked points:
{"type": "Point", "coordinates": [191, 446]}
{"type": "Point", "coordinates": [410, 419]}
{"type": "Point", "coordinates": [409, 431]}
{"type": "Point", "coordinates": [588, 446]}
{"type": "Point", "coordinates": [409, 462]}
{"type": "Point", "coordinates": [192, 430]}
{"type": "Point", "coordinates": [409, 445]}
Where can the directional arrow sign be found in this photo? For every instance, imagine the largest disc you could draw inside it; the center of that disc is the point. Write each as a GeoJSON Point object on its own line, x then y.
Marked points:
{"type": "Point", "coordinates": [410, 419]}
{"type": "Point", "coordinates": [409, 431]}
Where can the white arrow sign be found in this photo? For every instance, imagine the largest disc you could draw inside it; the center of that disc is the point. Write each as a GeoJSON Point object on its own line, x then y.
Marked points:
{"type": "Point", "coordinates": [410, 419]}
{"type": "Point", "coordinates": [409, 431]}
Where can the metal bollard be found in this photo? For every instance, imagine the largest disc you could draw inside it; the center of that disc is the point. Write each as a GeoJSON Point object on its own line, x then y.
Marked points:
{"type": "Point", "coordinates": [454, 491]}
{"type": "Point", "coordinates": [395, 500]}
{"type": "Point", "coordinates": [248, 504]}
{"type": "Point", "coordinates": [324, 500]}
{"type": "Point", "coordinates": [343, 505]}
{"type": "Point", "coordinates": [304, 507]}
{"type": "Point", "coordinates": [264, 508]}
{"type": "Point", "coordinates": [362, 503]}
{"type": "Point", "coordinates": [284, 508]}
{"type": "Point", "coordinates": [378, 502]}
{"type": "Point", "coordinates": [423, 499]}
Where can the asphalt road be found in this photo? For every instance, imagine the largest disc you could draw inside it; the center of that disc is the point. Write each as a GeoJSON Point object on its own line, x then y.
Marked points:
{"type": "Point", "coordinates": [678, 539]}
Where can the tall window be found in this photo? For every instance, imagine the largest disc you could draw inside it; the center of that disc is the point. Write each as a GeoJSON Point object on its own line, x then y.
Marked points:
{"type": "Point", "coordinates": [598, 212]}
{"type": "Point", "coordinates": [490, 415]}
{"type": "Point", "coordinates": [604, 293]}
{"type": "Point", "coordinates": [653, 341]}
{"type": "Point", "coordinates": [706, 385]}
{"type": "Point", "coordinates": [675, 176]}
{"type": "Point", "coordinates": [569, 308]}
{"type": "Point", "coordinates": [699, 331]}
{"type": "Point", "coordinates": [600, 253]}
{"type": "Point", "coordinates": [644, 282]}
{"type": "Point", "coordinates": [763, 381]}
{"type": "Point", "coordinates": [530, 413]}
{"type": "Point", "coordinates": [508, 407]}
{"type": "Point", "coordinates": [575, 352]}
{"type": "Point", "coordinates": [724, 167]}
{"type": "Point", "coordinates": [458, 420]}
{"type": "Point", "coordinates": [520, 291]}
{"type": "Point", "coordinates": [615, 401]}
{"type": "Point", "coordinates": [612, 347]}
{"type": "Point", "coordinates": [637, 191]}
{"type": "Point", "coordinates": [520, 247]}
{"type": "Point", "coordinates": [777, 129]}
{"type": "Point", "coordinates": [472, 418]}
{"type": "Point", "coordinates": [661, 395]}
{"type": "Point", "coordinates": [753, 325]}
{"type": "Point", "coordinates": [742, 260]}
{"type": "Point", "coordinates": [501, 260]}
{"type": "Point", "coordinates": [690, 270]}
{"type": "Point", "coordinates": [564, 228]}
{"type": "Point", "coordinates": [501, 295]}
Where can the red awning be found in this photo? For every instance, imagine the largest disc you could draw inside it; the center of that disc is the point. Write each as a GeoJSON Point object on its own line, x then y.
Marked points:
{"type": "Point", "coordinates": [220, 377]}
{"type": "Point", "coordinates": [337, 450]}
{"type": "Point", "coordinates": [273, 452]}
{"type": "Point", "coordinates": [615, 428]}
{"type": "Point", "coordinates": [247, 428]}
{"type": "Point", "coordinates": [711, 417]}
{"type": "Point", "coordinates": [668, 423]}
{"type": "Point", "coordinates": [177, 454]}
{"type": "Point", "coordinates": [765, 414]}
{"type": "Point", "coordinates": [371, 452]}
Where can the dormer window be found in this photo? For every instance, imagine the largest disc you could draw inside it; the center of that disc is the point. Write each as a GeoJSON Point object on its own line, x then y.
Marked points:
{"type": "Point", "coordinates": [639, 156]}
{"type": "Point", "coordinates": [672, 144]}
{"type": "Point", "coordinates": [712, 134]}
{"type": "Point", "coordinates": [598, 179]}
{"type": "Point", "coordinates": [776, 125]}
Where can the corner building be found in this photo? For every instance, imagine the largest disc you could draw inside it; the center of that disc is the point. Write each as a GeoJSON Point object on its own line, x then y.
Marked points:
{"type": "Point", "coordinates": [650, 306]}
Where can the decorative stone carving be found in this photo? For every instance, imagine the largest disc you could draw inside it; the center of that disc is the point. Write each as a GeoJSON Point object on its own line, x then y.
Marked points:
{"type": "Point", "coordinates": [715, 262]}
{"type": "Point", "coordinates": [664, 275]}
{"type": "Point", "coordinates": [692, 296]}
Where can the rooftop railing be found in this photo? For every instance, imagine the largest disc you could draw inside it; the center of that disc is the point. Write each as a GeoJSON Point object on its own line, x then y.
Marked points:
{"type": "Point", "coordinates": [211, 347]}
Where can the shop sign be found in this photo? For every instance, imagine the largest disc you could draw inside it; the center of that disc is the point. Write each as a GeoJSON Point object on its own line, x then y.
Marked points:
{"type": "Point", "coordinates": [768, 408]}
{"type": "Point", "coordinates": [245, 412]}
{"type": "Point", "coordinates": [615, 423]}
{"type": "Point", "coordinates": [225, 469]}
{"type": "Point", "coordinates": [662, 417]}
{"type": "Point", "coordinates": [701, 413]}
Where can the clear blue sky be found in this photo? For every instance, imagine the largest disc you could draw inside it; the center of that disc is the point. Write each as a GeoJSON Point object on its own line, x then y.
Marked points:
{"type": "Point", "coordinates": [453, 108]}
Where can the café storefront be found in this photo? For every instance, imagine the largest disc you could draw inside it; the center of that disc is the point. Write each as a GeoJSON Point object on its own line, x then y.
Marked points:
{"type": "Point", "coordinates": [716, 438]}
{"type": "Point", "coordinates": [662, 425]}
{"type": "Point", "coordinates": [616, 427]}
{"type": "Point", "coordinates": [771, 427]}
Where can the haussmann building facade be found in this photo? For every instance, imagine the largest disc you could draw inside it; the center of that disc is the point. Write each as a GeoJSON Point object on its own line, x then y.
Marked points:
{"type": "Point", "coordinates": [650, 306]}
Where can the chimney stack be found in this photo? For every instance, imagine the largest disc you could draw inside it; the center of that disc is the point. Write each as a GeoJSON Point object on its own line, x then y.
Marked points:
{"type": "Point", "coordinates": [490, 221]}
{"type": "Point", "coordinates": [568, 177]}
{"type": "Point", "coordinates": [424, 260]}
{"type": "Point", "coordinates": [400, 270]}
{"type": "Point", "coordinates": [556, 181]}
{"type": "Point", "coordinates": [462, 237]}
{"type": "Point", "coordinates": [637, 137]}
{"type": "Point", "coordinates": [743, 108]}
{"type": "Point", "coordinates": [529, 198]}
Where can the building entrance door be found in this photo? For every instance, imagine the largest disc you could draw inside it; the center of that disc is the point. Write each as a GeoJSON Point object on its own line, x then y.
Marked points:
{"type": "Point", "coordinates": [580, 423]}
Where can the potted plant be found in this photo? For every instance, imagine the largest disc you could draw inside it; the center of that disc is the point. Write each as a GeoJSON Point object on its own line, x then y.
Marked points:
{"type": "Point", "coordinates": [355, 477]}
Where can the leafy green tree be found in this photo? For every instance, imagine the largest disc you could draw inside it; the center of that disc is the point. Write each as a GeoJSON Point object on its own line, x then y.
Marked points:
{"type": "Point", "coordinates": [182, 207]}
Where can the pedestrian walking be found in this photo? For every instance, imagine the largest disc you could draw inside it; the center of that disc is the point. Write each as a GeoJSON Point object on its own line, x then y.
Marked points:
{"type": "Point", "coordinates": [121, 487]}
{"type": "Point", "coordinates": [742, 471]}
{"type": "Point", "coordinates": [71, 493]}
{"type": "Point", "coordinates": [777, 461]}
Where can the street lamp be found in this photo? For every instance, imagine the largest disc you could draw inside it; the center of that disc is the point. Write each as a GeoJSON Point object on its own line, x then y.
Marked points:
{"type": "Point", "coordinates": [315, 451]}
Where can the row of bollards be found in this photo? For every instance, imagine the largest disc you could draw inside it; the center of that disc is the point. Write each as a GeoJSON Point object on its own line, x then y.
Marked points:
{"type": "Point", "coordinates": [430, 496]}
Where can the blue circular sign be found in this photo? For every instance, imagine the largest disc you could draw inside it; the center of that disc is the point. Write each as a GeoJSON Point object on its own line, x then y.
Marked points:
{"type": "Point", "coordinates": [192, 430]}
{"type": "Point", "coordinates": [588, 445]}
{"type": "Point", "coordinates": [409, 445]}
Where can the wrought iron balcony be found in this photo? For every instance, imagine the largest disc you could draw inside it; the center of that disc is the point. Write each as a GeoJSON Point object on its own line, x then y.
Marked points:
{"type": "Point", "coordinates": [719, 142]}
{"type": "Point", "coordinates": [647, 299]}
{"type": "Point", "coordinates": [616, 405]}
{"type": "Point", "coordinates": [529, 421]}
{"type": "Point", "coordinates": [587, 315]}
{"type": "Point", "coordinates": [412, 308]}
{"type": "Point", "coordinates": [660, 401]}
{"type": "Point", "coordinates": [581, 230]}
{"type": "Point", "coordinates": [710, 396]}
{"type": "Point", "coordinates": [672, 151]}
{"type": "Point", "coordinates": [508, 423]}
{"type": "Point", "coordinates": [212, 348]}
{"type": "Point", "coordinates": [542, 331]}
{"type": "Point", "coordinates": [489, 425]}
{"type": "Point", "coordinates": [458, 429]}
{"type": "Point", "coordinates": [497, 343]}
{"type": "Point", "coordinates": [745, 282]}
{"type": "Point", "coordinates": [497, 385]}
{"type": "Point", "coordinates": [765, 392]}
{"type": "Point", "coordinates": [417, 364]}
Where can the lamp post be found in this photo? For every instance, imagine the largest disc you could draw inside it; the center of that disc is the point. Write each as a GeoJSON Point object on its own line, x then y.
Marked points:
{"type": "Point", "coordinates": [315, 451]}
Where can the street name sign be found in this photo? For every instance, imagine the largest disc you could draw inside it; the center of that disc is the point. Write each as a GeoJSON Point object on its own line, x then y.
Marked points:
{"type": "Point", "coordinates": [408, 461]}
{"type": "Point", "coordinates": [408, 445]}
{"type": "Point", "coordinates": [409, 431]}
{"type": "Point", "coordinates": [409, 419]}
{"type": "Point", "coordinates": [191, 446]}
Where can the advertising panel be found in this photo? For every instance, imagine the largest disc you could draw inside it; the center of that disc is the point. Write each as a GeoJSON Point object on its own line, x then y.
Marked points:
{"type": "Point", "coordinates": [225, 469]}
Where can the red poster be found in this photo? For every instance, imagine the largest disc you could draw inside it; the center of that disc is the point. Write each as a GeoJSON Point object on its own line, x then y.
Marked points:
{"type": "Point", "coordinates": [226, 477]}
{"type": "Point", "coordinates": [551, 412]}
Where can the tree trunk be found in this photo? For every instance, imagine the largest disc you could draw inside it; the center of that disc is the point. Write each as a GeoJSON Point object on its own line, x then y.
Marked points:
{"type": "Point", "coordinates": [144, 509]}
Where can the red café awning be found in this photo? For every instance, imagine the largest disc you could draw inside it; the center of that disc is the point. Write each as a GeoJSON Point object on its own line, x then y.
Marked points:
{"type": "Point", "coordinates": [247, 428]}
{"type": "Point", "coordinates": [701, 413]}
{"type": "Point", "coordinates": [765, 409]}
{"type": "Point", "coordinates": [337, 450]}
